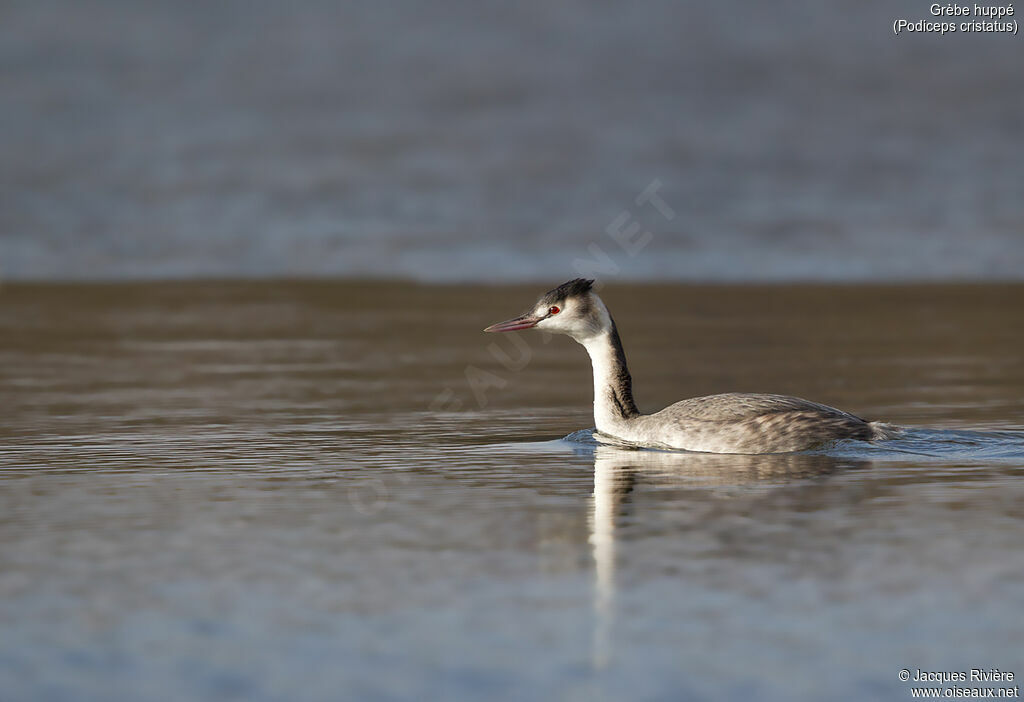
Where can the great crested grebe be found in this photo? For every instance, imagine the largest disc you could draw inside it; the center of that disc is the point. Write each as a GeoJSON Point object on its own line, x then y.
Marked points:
{"type": "Point", "coordinates": [728, 423]}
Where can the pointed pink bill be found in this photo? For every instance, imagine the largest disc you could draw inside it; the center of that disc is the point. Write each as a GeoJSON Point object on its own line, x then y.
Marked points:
{"type": "Point", "coordinates": [527, 321]}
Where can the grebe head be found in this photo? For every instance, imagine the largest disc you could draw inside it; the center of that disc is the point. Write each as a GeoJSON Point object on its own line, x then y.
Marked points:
{"type": "Point", "coordinates": [572, 309]}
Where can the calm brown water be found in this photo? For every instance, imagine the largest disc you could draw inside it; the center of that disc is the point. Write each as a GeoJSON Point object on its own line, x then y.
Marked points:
{"type": "Point", "coordinates": [292, 491]}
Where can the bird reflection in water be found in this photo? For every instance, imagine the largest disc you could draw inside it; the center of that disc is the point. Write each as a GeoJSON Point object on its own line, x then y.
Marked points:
{"type": "Point", "coordinates": [617, 471]}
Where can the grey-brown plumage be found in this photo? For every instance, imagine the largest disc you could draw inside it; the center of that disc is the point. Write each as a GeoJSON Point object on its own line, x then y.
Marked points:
{"type": "Point", "coordinates": [757, 423]}
{"type": "Point", "coordinates": [727, 423]}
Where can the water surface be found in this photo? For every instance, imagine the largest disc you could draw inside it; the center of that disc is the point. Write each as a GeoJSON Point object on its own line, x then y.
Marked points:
{"type": "Point", "coordinates": [468, 141]}
{"type": "Point", "coordinates": [292, 491]}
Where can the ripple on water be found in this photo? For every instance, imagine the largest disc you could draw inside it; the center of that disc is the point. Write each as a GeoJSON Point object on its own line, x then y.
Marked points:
{"type": "Point", "coordinates": [264, 515]}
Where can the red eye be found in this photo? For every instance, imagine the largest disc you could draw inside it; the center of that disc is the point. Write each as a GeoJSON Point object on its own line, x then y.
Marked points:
{"type": "Point", "coordinates": [554, 310]}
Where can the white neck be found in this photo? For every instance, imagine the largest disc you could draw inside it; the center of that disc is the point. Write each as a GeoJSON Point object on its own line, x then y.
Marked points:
{"type": "Point", "coordinates": [613, 393]}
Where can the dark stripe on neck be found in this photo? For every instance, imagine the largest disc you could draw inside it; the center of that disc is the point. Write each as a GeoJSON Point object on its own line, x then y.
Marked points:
{"type": "Point", "coordinates": [621, 383]}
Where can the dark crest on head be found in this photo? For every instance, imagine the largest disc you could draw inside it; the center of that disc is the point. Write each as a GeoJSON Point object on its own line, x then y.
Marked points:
{"type": "Point", "coordinates": [578, 286]}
